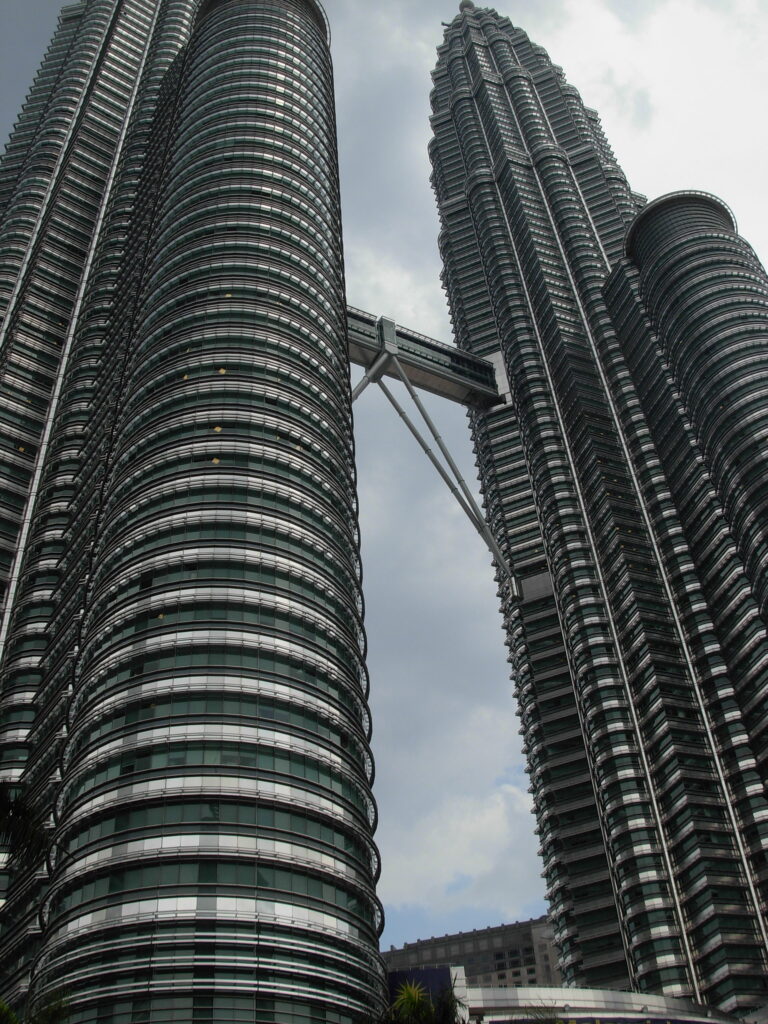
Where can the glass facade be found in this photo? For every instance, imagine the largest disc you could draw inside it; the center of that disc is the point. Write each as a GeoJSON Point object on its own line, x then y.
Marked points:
{"type": "Point", "coordinates": [185, 691]}
{"type": "Point", "coordinates": [623, 479]}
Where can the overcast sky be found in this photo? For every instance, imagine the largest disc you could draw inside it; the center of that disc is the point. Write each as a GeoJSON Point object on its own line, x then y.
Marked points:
{"type": "Point", "coordinates": [681, 86]}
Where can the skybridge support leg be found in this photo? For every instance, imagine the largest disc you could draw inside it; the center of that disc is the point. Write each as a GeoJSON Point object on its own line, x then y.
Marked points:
{"type": "Point", "coordinates": [387, 332]}
{"type": "Point", "coordinates": [371, 375]}
{"type": "Point", "coordinates": [477, 514]}
{"type": "Point", "coordinates": [461, 493]}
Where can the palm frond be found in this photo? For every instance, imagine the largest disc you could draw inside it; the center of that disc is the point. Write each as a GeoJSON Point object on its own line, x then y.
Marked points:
{"type": "Point", "coordinates": [448, 1007]}
{"type": "Point", "coordinates": [412, 1004]}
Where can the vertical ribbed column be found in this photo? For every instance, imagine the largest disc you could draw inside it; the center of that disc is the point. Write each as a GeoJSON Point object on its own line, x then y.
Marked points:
{"type": "Point", "coordinates": [729, 644]}
{"type": "Point", "coordinates": [215, 810]}
{"type": "Point", "coordinates": [71, 165]}
{"type": "Point", "coordinates": [54, 173]}
{"type": "Point", "coordinates": [628, 740]}
{"type": "Point", "coordinates": [491, 203]}
{"type": "Point", "coordinates": [32, 115]}
{"type": "Point", "coordinates": [707, 295]}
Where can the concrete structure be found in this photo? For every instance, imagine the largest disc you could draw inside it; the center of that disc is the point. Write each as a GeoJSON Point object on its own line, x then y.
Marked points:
{"type": "Point", "coordinates": [583, 1006]}
{"type": "Point", "coordinates": [184, 691]}
{"type": "Point", "coordinates": [184, 684]}
{"type": "Point", "coordinates": [624, 481]}
{"type": "Point", "coordinates": [549, 1004]}
{"type": "Point", "coordinates": [505, 956]}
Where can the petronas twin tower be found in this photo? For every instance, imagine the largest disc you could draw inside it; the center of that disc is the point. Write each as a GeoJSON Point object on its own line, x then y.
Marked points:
{"type": "Point", "coordinates": [184, 689]}
{"type": "Point", "coordinates": [184, 680]}
{"type": "Point", "coordinates": [625, 479]}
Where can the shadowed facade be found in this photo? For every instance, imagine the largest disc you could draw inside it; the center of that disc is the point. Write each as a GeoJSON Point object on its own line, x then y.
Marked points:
{"type": "Point", "coordinates": [184, 686]}
{"type": "Point", "coordinates": [623, 479]}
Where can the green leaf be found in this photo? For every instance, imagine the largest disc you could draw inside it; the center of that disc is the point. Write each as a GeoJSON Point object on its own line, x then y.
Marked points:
{"type": "Point", "coordinates": [55, 1010]}
{"type": "Point", "coordinates": [7, 1016]}
{"type": "Point", "coordinates": [20, 829]}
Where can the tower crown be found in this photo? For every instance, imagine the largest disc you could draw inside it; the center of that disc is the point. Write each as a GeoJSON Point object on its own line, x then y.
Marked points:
{"type": "Point", "coordinates": [673, 215]}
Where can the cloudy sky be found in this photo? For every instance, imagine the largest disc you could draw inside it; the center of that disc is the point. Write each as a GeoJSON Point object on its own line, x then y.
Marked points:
{"type": "Point", "coordinates": [681, 86]}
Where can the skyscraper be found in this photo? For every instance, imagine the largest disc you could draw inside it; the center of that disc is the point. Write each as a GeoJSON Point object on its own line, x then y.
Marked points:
{"type": "Point", "coordinates": [184, 687]}
{"type": "Point", "coordinates": [624, 479]}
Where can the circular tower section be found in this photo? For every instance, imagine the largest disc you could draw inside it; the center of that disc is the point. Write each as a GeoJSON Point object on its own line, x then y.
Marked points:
{"type": "Point", "coordinates": [707, 294]}
{"type": "Point", "coordinates": [216, 807]}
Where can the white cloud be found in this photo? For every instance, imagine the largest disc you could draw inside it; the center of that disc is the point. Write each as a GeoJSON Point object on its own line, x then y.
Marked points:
{"type": "Point", "coordinates": [468, 850]}
{"type": "Point", "coordinates": [387, 286]}
{"type": "Point", "coordinates": [700, 69]}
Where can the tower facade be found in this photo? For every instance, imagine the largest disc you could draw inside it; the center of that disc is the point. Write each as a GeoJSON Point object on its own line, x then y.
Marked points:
{"type": "Point", "coordinates": [623, 477]}
{"type": "Point", "coordinates": [184, 696]}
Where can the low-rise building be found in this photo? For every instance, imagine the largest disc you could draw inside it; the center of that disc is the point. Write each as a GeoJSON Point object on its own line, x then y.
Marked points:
{"type": "Point", "coordinates": [504, 956]}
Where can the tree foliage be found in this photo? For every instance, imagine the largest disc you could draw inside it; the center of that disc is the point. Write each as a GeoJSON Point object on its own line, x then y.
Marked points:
{"type": "Point", "coordinates": [7, 1016]}
{"type": "Point", "coordinates": [53, 1011]}
{"type": "Point", "coordinates": [20, 828]}
{"type": "Point", "coordinates": [414, 1005]}
{"type": "Point", "coordinates": [24, 837]}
